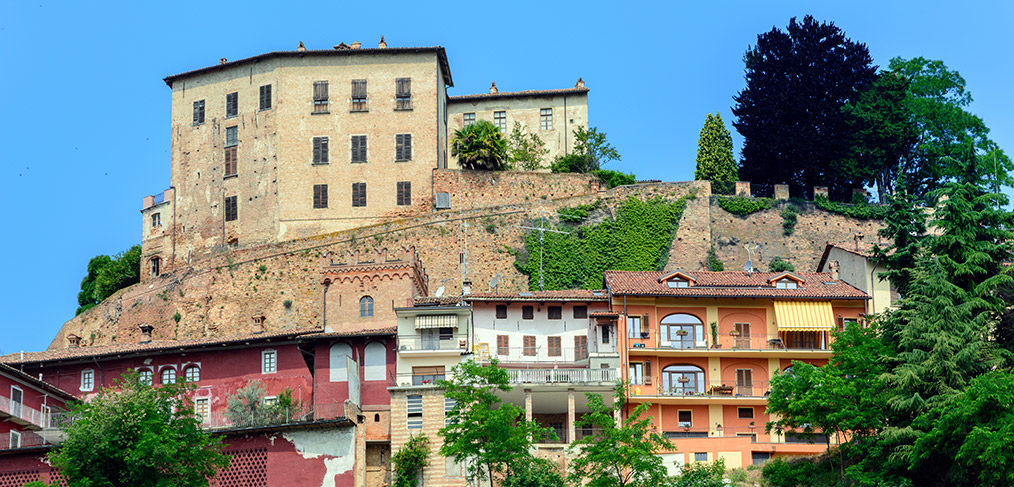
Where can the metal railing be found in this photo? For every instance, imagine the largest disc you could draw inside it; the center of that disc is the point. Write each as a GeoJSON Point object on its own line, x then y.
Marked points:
{"type": "Point", "coordinates": [24, 413]}
{"type": "Point", "coordinates": [727, 341]}
{"type": "Point", "coordinates": [562, 376]}
{"type": "Point", "coordinates": [416, 343]}
{"type": "Point", "coordinates": [409, 379]}
{"type": "Point", "coordinates": [21, 439]}
{"type": "Point", "coordinates": [711, 389]}
{"type": "Point", "coordinates": [261, 417]}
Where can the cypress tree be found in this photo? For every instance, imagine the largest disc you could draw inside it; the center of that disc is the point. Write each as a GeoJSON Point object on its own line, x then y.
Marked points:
{"type": "Point", "coordinates": [714, 156]}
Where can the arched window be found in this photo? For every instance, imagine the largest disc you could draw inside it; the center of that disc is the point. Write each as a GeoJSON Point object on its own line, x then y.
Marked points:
{"type": "Point", "coordinates": [365, 307]}
{"type": "Point", "coordinates": [375, 362]}
{"type": "Point", "coordinates": [682, 331]}
{"type": "Point", "coordinates": [682, 380]}
{"type": "Point", "coordinates": [144, 376]}
{"type": "Point", "coordinates": [192, 373]}
{"type": "Point", "coordinates": [168, 375]}
{"type": "Point", "coordinates": [337, 358]}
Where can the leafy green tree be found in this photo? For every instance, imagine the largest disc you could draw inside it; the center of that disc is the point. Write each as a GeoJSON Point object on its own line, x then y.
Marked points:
{"type": "Point", "coordinates": [701, 474]}
{"type": "Point", "coordinates": [539, 473]}
{"type": "Point", "coordinates": [969, 438]}
{"type": "Point", "coordinates": [612, 179]}
{"type": "Point", "coordinates": [779, 264]}
{"type": "Point", "coordinates": [591, 151]}
{"type": "Point", "coordinates": [618, 454]}
{"type": "Point", "coordinates": [410, 461]}
{"type": "Point", "coordinates": [106, 275]}
{"type": "Point", "coordinates": [491, 437]}
{"type": "Point", "coordinates": [480, 146]}
{"type": "Point", "coordinates": [714, 156]}
{"type": "Point", "coordinates": [138, 435]}
{"type": "Point", "coordinates": [527, 150]}
{"type": "Point", "coordinates": [790, 114]}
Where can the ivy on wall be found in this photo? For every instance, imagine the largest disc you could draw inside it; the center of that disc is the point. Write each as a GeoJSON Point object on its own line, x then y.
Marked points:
{"type": "Point", "coordinates": [743, 205]}
{"type": "Point", "coordinates": [638, 239]}
{"type": "Point", "coordinates": [861, 210]}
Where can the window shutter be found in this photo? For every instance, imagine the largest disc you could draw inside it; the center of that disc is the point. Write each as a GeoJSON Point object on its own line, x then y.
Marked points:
{"type": "Point", "coordinates": [323, 196]}
{"type": "Point", "coordinates": [407, 149]}
{"type": "Point", "coordinates": [316, 149]}
{"type": "Point", "coordinates": [362, 148]}
{"type": "Point", "coordinates": [399, 147]}
{"type": "Point", "coordinates": [647, 373]}
{"type": "Point", "coordinates": [359, 88]}
{"type": "Point", "coordinates": [195, 113]}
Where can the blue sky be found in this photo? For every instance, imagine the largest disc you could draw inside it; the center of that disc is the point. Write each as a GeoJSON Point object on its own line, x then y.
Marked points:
{"type": "Point", "coordinates": [84, 118]}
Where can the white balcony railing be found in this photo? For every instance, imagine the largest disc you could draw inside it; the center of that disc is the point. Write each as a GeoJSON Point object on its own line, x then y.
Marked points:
{"type": "Point", "coordinates": [563, 376]}
{"type": "Point", "coordinates": [20, 413]}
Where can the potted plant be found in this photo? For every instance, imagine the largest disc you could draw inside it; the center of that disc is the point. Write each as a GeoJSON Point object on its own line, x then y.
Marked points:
{"type": "Point", "coordinates": [644, 334]}
{"type": "Point", "coordinates": [734, 333]}
{"type": "Point", "coordinates": [681, 333]}
{"type": "Point", "coordinates": [714, 335]}
{"type": "Point", "coordinates": [683, 379]}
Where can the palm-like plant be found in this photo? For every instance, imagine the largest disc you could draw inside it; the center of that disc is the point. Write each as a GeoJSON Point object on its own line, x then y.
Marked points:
{"type": "Point", "coordinates": [480, 146]}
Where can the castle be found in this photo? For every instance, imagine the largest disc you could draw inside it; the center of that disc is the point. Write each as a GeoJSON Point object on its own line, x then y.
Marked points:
{"type": "Point", "coordinates": [317, 238]}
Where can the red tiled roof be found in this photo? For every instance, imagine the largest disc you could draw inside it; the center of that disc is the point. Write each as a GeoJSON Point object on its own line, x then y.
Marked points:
{"type": "Point", "coordinates": [519, 94]}
{"type": "Point", "coordinates": [19, 375]}
{"type": "Point", "coordinates": [437, 301]}
{"type": "Point", "coordinates": [604, 314]}
{"type": "Point", "coordinates": [732, 284]}
{"type": "Point", "coordinates": [386, 330]}
{"type": "Point", "coordinates": [559, 295]}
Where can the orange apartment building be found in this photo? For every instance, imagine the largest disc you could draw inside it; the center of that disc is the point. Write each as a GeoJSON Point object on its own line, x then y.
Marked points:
{"type": "Point", "coordinates": [701, 348]}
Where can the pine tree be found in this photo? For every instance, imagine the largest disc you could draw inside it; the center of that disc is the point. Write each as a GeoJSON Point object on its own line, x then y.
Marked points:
{"type": "Point", "coordinates": [715, 162]}
{"type": "Point", "coordinates": [905, 224]}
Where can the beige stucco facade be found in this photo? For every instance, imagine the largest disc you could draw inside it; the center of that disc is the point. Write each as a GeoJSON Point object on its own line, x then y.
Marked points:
{"type": "Point", "coordinates": [861, 271]}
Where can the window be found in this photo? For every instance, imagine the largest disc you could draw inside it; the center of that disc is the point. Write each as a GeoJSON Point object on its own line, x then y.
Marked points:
{"type": "Point", "coordinates": [415, 412]}
{"type": "Point", "coordinates": [375, 362]}
{"type": "Point", "coordinates": [501, 311]}
{"type": "Point", "coordinates": [529, 344]}
{"type": "Point", "coordinates": [744, 382]}
{"type": "Point", "coordinates": [358, 194]}
{"type": "Point", "coordinates": [701, 456]}
{"type": "Point", "coordinates": [320, 152]}
{"type": "Point", "coordinates": [503, 345]}
{"type": "Point", "coordinates": [682, 331]}
{"type": "Point", "coordinates": [786, 284]}
{"type": "Point", "coordinates": [156, 220]}
{"type": "Point", "coordinates": [15, 441]}
{"type": "Point", "coordinates": [500, 120]}
{"type": "Point", "coordinates": [640, 373]}
{"type": "Point", "coordinates": [580, 312]}
{"type": "Point", "coordinates": [527, 312]}
{"type": "Point", "coordinates": [338, 357]}
{"type": "Point", "coordinates": [320, 196]}
{"type": "Point", "coordinates": [605, 334]}
{"type": "Point", "coordinates": [682, 380]}
{"type": "Point", "coordinates": [155, 266]}
{"type": "Point", "coordinates": [449, 405]}
{"type": "Point", "coordinates": [546, 119]}
{"type": "Point", "coordinates": [168, 375]}
{"type": "Point", "coordinates": [365, 307]}
{"type": "Point", "coordinates": [265, 97]}
{"type": "Point", "coordinates": [760, 457]}
{"type": "Point", "coordinates": [443, 201]}
{"type": "Point", "coordinates": [427, 375]}
{"type": "Point", "coordinates": [677, 283]}
{"type": "Point", "coordinates": [403, 147]}
{"type": "Point", "coordinates": [320, 97]}
{"type": "Point", "coordinates": [633, 327]}
{"type": "Point", "coordinates": [685, 418]}
{"type": "Point", "coordinates": [231, 211]}
{"type": "Point", "coordinates": [403, 93]}
{"type": "Point", "coordinates": [554, 347]}
{"type": "Point", "coordinates": [359, 95]}
{"type": "Point", "coordinates": [231, 104]}
{"type": "Point", "coordinates": [358, 148]}
{"type": "Point", "coordinates": [198, 112]}
{"type": "Point", "coordinates": [17, 398]}
{"type": "Point", "coordinates": [742, 333]}
{"type": "Point", "coordinates": [469, 118]}
{"type": "Point", "coordinates": [745, 413]}
{"type": "Point", "coordinates": [231, 162]}
{"type": "Point", "coordinates": [202, 408]}
{"type": "Point", "coordinates": [404, 193]}
{"type": "Point", "coordinates": [580, 347]}
{"type": "Point", "coordinates": [87, 379]}
{"type": "Point", "coordinates": [144, 376]}
{"type": "Point", "coordinates": [269, 362]}
{"type": "Point", "coordinates": [192, 373]}
{"type": "Point", "coordinates": [554, 312]}
{"type": "Point", "coordinates": [231, 136]}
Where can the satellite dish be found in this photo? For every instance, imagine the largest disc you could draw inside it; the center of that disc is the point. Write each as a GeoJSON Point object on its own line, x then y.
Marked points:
{"type": "Point", "coordinates": [440, 291]}
{"type": "Point", "coordinates": [748, 267]}
{"type": "Point", "coordinates": [494, 282]}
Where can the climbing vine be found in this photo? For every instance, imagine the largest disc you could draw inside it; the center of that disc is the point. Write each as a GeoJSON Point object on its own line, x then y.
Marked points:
{"type": "Point", "coordinates": [788, 220]}
{"type": "Point", "coordinates": [577, 214]}
{"type": "Point", "coordinates": [638, 239]}
{"type": "Point", "coordinates": [861, 210]}
{"type": "Point", "coordinates": [410, 460]}
{"type": "Point", "coordinates": [742, 205]}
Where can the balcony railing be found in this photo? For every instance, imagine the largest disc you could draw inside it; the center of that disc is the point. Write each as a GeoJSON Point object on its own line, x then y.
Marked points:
{"type": "Point", "coordinates": [784, 341]}
{"type": "Point", "coordinates": [563, 376]}
{"type": "Point", "coordinates": [754, 389]}
{"type": "Point", "coordinates": [264, 417]}
{"type": "Point", "coordinates": [21, 413]}
{"type": "Point", "coordinates": [26, 439]}
{"type": "Point", "coordinates": [417, 343]}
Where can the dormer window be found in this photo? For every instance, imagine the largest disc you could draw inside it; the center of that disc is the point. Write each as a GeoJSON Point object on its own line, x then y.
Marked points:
{"type": "Point", "coordinates": [786, 284]}
{"type": "Point", "coordinates": [677, 279]}
{"type": "Point", "coordinates": [786, 280]}
{"type": "Point", "coordinates": [675, 283]}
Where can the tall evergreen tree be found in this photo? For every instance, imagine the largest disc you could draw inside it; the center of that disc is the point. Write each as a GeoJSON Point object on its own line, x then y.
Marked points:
{"type": "Point", "coordinates": [714, 156]}
{"type": "Point", "coordinates": [905, 224]}
{"type": "Point", "coordinates": [790, 114]}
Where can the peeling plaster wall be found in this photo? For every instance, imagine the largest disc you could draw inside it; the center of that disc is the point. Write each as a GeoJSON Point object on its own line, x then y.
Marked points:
{"type": "Point", "coordinates": [334, 447]}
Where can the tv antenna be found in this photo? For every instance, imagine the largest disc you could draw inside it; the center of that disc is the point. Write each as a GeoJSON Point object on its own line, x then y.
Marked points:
{"type": "Point", "coordinates": [749, 259]}
{"type": "Point", "coordinates": [542, 242]}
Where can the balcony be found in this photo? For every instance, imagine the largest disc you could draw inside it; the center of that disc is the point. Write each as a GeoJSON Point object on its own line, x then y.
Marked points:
{"type": "Point", "coordinates": [452, 344]}
{"type": "Point", "coordinates": [563, 376]}
{"type": "Point", "coordinates": [18, 413]}
{"type": "Point", "coordinates": [21, 439]}
{"type": "Point", "coordinates": [678, 392]}
{"type": "Point", "coordinates": [784, 343]}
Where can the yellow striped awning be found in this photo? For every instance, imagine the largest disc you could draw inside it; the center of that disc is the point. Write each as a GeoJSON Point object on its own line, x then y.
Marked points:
{"type": "Point", "coordinates": [436, 321]}
{"type": "Point", "coordinates": [804, 316]}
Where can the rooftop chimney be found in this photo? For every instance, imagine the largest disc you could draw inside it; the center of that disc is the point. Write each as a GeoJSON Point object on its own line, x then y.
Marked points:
{"type": "Point", "coordinates": [382, 44]}
{"type": "Point", "coordinates": [146, 333]}
{"type": "Point", "coordinates": [259, 323]}
{"type": "Point", "coordinates": [222, 60]}
{"type": "Point", "coordinates": [492, 87]}
{"type": "Point", "coordinates": [834, 265]}
{"type": "Point", "coordinates": [466, 288]}
{"type": "Point", "coordinates": [73, 341]}
{"type": "Point", "coordinates": [301, 47]}
{"type": "Point", "coordinates": [356, 45]}
{"type": "Point", "coordinates": [579, 84]}
{"type": "Point", "coordinates": [341, 46]}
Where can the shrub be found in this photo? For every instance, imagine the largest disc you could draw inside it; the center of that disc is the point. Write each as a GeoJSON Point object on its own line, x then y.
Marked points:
{"type": "Point", "coordinates": [780, 265]}
{"type": "Point", "coordinates": [713, 263]}
{"type": "Point", "coordinates": [410, 460]}
{"type": "Point", "coordinates": [861, 211]}
{"type": "Point", "coordinates": [577, 214]}
{"type": "Point", "coordinates": [287, 303]}
{"type": "Point", "coordinates": [612, 179]}
{"type": "Point", "coordinates": [177, 317]}
{"type": "Point", "coordinates": [788, 220]}
{"type": "Point", "coordinates": [743, 205]}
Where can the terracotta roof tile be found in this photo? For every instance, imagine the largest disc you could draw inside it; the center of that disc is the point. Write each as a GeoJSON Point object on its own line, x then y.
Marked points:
{"type": "Point", "coordinates": [559, 295]}
{"type": "Point", "coordinates": [519, 94]}
{"type": "Point", "coordinates": [732, 284]}
{"type": "Point", "coordinates": [437, 301]}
